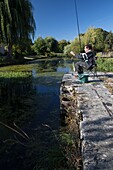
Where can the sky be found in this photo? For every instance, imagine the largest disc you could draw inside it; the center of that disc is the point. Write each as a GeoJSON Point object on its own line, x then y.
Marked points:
{"type": "Point", "coordinates": [57, 18]}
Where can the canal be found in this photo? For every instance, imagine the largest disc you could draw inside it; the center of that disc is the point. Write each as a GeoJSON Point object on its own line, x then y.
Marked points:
{"type": "Point", "coordinates": [30, 115]}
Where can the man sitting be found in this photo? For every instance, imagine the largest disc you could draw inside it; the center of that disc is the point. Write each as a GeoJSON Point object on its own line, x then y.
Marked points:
{"type": "Point", "coordinates": [88, 59]}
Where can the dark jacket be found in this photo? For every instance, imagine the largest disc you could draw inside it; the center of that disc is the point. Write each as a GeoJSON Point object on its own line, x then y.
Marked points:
{"type": "Point", "coordinates": [89, 58]}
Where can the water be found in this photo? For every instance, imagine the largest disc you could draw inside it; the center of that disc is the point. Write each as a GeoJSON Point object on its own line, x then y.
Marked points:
{"type": "Point", "coordinates": [32, 112]}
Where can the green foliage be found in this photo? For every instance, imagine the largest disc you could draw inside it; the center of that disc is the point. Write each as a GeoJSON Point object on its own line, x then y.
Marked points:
{"type": "Point", "coordinates": [94, 36]}
{"type": "Point", "coordinates": [40, 46]}
{"type": "Point", "coordinates": [75, 46]}
{"type": "Point", "coordinates": [45, 46]}
{"type": "Point", "coordinates": [52, 44]}
{"type": "Point", "coordinates": [109, 41]}
{"type": "Point", "coordinates": [100, 39]}
{"type": "Point", "coordinates": [67, 49]}
{"type": "Point", "coordinates": [105, 64]}
{"type": "Point", "coordinates": [16, 21]}
{"type": "Point", "coordinates": [12, 74]}
{"type": "Point", "coordinates": [23, 47]}
{"type": "Point", "coordinates": [62, 44]}
{"type": "Point", "coordinates": [66, 139]}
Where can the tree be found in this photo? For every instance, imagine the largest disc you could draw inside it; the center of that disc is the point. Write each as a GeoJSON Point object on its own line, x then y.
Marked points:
{"type": "Point", "coordinates": [52, 44]}
{"type": "Point", "coordinates": [16, 21]}
{"type": "Point", "coordinates": [67, 49]}
{"type": "Point", "coordinates": [89, 36]}
{"type": "Point", "coordinates": [96, 37]}
{"type": "Point", "coordinates": [109, 41]}
{"type": "Point", "coordinates": [22, 48]}
{"type": "Point", "coordinates": [40, 46]}
{"type": "Point", "coordinates": [45, 46]}
{"type": "Point", "coordinates": [99, 39]}
{"type": "Point", "coordinates": [62, 44]}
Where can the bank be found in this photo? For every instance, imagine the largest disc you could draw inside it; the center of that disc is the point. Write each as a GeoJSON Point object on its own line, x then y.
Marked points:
{"type": "Point", "coordinates": [94, 109]}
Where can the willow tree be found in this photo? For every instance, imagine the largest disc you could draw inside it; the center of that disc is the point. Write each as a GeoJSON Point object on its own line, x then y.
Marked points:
{"type": "Point", "coordinates": [16, 21]}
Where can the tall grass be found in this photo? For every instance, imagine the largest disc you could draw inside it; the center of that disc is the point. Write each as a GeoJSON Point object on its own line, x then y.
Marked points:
{"type": "Point", "coordinates": [105, 64]}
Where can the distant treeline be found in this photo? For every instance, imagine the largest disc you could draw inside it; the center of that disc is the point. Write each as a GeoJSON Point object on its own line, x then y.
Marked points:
{"type": "Point", "coordinates": [101, 40]}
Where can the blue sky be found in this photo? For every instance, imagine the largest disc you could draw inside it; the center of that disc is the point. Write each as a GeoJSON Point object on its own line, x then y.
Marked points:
{"type": "Point", "coordinates": [57, 18]}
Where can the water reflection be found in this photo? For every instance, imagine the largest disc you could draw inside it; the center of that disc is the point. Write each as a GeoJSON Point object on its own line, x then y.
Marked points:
{"type": "Point", "coordinates": [9, 91]}
{"type": "Point", "coordinates": [58, 65]}
{"type": "Point", "coordinates": [64, 70]}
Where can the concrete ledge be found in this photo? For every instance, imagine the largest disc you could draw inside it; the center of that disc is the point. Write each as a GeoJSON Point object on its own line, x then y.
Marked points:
{"type": "Point", "coordinates": [96, 129]}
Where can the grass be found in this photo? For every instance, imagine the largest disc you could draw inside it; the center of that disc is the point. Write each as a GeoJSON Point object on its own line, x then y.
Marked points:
{"type": "Point", "coordinates": [105, 64]}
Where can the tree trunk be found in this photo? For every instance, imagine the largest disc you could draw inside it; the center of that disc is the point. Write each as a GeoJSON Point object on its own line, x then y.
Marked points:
{"type": "Point", "coordinates": [9, 54]}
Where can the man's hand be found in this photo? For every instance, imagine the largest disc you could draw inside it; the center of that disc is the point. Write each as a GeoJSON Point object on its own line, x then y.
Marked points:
{"type": "Point", "coordinates": [72, 53]}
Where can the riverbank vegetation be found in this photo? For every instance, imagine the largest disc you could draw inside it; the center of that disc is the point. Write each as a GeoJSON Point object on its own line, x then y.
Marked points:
{"type": "Point", "coordinates": [105, 64]}
{"type": "Point", "coordinates": [49, 47]}
{"type": "Point", "coordinates": [101, 40]}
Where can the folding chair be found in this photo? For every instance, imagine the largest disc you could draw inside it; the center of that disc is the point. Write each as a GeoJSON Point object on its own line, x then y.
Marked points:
{"type": "Point", "coordinates": [92, 71]}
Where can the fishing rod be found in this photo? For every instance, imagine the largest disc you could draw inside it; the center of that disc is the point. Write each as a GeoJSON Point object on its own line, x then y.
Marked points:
{"type": "Point", "coordinates": [76, 12]}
